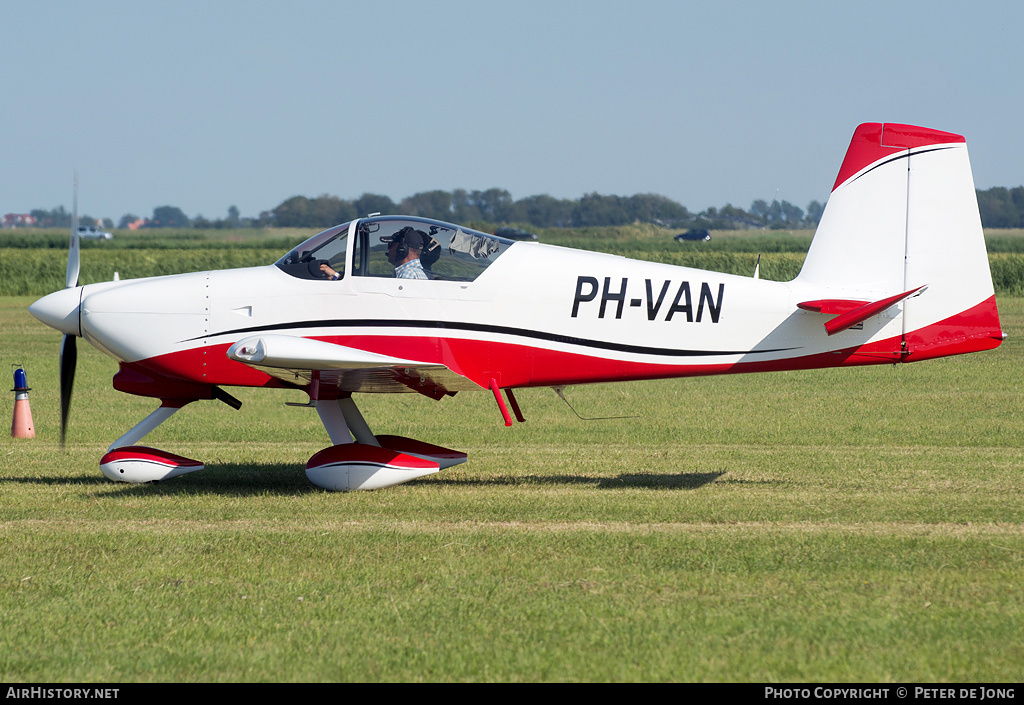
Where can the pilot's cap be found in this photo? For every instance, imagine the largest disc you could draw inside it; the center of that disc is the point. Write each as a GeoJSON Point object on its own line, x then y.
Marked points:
{"type": "Point", "coordinates": [411, 236]}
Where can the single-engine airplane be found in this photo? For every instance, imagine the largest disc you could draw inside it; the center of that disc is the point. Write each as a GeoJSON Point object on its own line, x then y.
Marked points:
{"type": "Point", "coordinates": [896, 272]}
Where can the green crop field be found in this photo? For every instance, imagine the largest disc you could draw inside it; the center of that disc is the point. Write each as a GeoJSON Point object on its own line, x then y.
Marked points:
{"type": "Point", "coordinates": [33, 262]}
{"type": "Point", "coordinates": [850, 525]}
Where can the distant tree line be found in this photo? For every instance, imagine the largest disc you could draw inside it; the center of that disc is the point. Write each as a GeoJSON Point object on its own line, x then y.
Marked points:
{"type": "Point", "coordinates": [1000, 208]}
{"type": "Point", "coordinates": [497, 206]}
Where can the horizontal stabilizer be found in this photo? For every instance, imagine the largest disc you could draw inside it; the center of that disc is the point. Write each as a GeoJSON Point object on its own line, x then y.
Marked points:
{"type": "Point", "coordinates": [852, 312]}
{"type": "Point", "coordinates": [834, 306]}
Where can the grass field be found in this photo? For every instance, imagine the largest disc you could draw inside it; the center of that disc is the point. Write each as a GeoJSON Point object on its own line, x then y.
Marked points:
{"type": "Point", "coordinates": [860, 525]}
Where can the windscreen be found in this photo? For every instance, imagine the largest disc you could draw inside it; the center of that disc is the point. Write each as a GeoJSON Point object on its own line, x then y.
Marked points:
{"type": "Point", "coordinates": [327, 248]}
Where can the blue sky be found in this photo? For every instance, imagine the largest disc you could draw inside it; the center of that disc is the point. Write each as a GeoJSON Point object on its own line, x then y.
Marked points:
{"type": "Point", "coordinates": [205, 105]}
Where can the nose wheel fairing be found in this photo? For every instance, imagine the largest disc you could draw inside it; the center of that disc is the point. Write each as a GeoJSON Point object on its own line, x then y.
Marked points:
{"type": "Point", "coordinates": [140, 464]}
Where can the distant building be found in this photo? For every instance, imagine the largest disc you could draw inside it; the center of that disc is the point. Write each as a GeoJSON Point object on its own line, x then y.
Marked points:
{"type": "Point", "coordinates": [138, 223]}
{"type": "Point", "coordinates": [18, 220]}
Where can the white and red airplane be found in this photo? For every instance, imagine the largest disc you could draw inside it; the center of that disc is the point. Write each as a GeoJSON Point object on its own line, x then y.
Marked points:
{"type": "Point", "coordinates": [897, 272]}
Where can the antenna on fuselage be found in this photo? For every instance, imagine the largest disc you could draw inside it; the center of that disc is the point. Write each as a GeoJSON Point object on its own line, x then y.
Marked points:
{"type": "Point", "coordinates": [560, 391]}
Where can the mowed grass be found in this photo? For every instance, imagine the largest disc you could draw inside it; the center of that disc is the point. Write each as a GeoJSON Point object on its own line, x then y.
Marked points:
{"type": "Point", "coordinates": [857, 525]}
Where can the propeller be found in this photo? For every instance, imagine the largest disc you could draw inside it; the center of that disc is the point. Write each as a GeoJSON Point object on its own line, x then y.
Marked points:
{"type": "Point", "coordinates": [74, 254]}
{"type": "Point", "coordinates": [68, 345]}
{"type": "Point", "coordinates": [68, 361]}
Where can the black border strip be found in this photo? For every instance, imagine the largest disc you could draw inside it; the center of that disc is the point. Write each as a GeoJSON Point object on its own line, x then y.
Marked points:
{"type": "Point", "coordinates": [907, 153]}
{"type": "Point", "coordinates": [485, 328]}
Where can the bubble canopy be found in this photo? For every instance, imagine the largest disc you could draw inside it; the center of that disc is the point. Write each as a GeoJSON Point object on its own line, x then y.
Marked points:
{"type": "Point", "coordinates": [359, 248]}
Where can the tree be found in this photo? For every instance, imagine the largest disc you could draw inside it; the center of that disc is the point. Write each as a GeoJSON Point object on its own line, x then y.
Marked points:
{"type": "Point", "coordinates": [759, 209]}
{"type": "Point", "coordinates": [169, 217]}
{"type": "Point", "coordinates": [814, 212]}
{"type": "Point", "coordinates": [320, 212]}
{"type": "Point", "coordinates": [372, 203]}
{"type": "Point", "coordinates": [293, 213]}
{"type": "Point", "coordinates": [593, 210]}
{"type": "Point", "coordinates": [494, 204]}
{"type": "Point", "coordinates": [653, 208]}
{"type": "Point", "coordinates": [791, 215]}
{"type": "Point", "coordinates": [998, 209]}
{"type": "Point", "coordinates": [464, 209]}
{"type": "Point", "coordinates": [543, 211]}
{"type": "Point", "coordinates": [428, 204]}
{"type": "Point", "coordinates": [326, 211]}
{"type": "Point", "coordinates": [783, 215]}
{"type": "Point", "coordinates": [56, 218]}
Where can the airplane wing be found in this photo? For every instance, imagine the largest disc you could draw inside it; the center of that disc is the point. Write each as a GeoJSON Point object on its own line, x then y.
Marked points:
{"type": "Point", "coordinates": [309, 362]}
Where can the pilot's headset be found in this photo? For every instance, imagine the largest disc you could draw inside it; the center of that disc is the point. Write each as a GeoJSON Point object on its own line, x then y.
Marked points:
{"type": "Point", "coordinates": [402, 237]}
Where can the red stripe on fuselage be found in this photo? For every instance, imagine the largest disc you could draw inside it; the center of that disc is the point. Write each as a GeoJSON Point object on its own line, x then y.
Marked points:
{"type": "Point", "coordinates": [517, 365]}
{"type": "Point", "coordinates": [973, 330]}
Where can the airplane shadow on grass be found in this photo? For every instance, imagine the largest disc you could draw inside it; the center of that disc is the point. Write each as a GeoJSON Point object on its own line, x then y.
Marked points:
{"type": "Point", "coordinates": [220, 478]}
{"type": "Point", "coordinates": [245, 479]}
{"type": "Point", "coordinates": [680, 481]}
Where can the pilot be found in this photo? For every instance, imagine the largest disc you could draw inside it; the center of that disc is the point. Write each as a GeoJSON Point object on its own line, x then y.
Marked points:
{"type": "Point", "coordinates": [404, 248]}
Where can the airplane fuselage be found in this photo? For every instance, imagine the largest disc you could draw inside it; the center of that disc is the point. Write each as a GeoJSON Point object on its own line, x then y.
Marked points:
{"type": "Point", "coordinates": [538, 316]}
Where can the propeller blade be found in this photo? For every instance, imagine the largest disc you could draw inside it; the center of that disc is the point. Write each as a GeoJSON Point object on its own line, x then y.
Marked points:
{"type": "Point", "coordinates": [68, 346]}
{"type": "Point", "coordinates": [68, 362]}
{"type": "Point", "coordinates": [74, 251]}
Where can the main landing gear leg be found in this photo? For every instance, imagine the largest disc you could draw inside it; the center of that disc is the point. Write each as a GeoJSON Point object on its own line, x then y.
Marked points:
{"type": "Point", "coordinates": [343, 422]}
{"type": "Point", "coordinates": [127, 462]}
{"type": "Point", "coordinates": [359, 460]}
{"type": "Point", "coordinates": [141, 429]}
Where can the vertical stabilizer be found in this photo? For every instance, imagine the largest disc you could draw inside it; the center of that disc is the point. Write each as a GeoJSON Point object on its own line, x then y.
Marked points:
{"type": "Point", "coordinates": [903, 214]}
